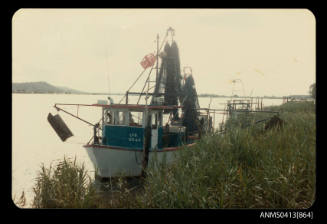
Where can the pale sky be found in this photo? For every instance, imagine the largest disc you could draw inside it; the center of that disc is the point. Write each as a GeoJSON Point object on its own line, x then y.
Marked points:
{"type": "Point", "coordinates": [99, 50]}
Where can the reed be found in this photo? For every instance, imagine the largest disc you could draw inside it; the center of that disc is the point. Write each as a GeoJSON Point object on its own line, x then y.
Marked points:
{"type": "Point", "coordinates": [66, 186]}
{"type": "Point", "coordinates": [21, 202]}
{"type": "Point", "coordinates": [244, 168]}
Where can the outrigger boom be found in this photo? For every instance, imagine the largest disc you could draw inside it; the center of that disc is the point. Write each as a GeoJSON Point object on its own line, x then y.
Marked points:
{"type": "Point", "coordinates": [132, 106]}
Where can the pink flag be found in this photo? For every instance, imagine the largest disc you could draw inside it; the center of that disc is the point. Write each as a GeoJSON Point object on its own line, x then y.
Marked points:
{"type": "Point", "coordinates": [148, 61]}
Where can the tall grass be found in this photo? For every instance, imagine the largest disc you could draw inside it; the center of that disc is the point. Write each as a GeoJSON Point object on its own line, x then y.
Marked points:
{"type": "Point", "coordinates": [246, 167]}
{"type": "Point", "coordinates": [66, 186]}
{"type": "Point", "coordinates": [21, 202]}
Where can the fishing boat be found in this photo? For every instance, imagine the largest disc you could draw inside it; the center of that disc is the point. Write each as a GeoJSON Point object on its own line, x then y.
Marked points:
{"type": "Point", "coordinates": [129, 136]}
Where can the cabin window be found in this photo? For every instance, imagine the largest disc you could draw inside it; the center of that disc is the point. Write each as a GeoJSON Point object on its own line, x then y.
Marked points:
{"type": "Point", "coordinates": [135, 118]}
{"type": "Point", "coordinates": [155, 120]}
{"type": "Point", "coordinates": [121, 117]}
{"type": "Point", "coordinates": [116, 117]}
{"type": "Point", "coordinates": [108, 117]}
{"type": "Point", "coordinates": [125, 116]}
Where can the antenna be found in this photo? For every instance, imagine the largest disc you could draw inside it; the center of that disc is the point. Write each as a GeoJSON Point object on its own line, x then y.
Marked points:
{"type": "Point", "coordinates": [108, 78]}
{"type": "Point", "coordinates": [107, 65]}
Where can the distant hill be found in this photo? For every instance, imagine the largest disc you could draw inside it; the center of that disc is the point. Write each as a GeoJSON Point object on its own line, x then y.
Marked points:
{"type": "Point", "coordinates": [41, 87]}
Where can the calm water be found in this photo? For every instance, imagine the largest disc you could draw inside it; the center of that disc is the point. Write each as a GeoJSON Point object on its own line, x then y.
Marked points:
{"type": "Point", "coordinates": [34, 142]}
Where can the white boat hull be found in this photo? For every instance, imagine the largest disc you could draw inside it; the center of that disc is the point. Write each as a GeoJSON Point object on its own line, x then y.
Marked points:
{"type": "Point", "coordinates": [114, 162]}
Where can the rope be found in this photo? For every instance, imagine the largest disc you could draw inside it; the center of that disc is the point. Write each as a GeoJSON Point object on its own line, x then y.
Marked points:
{"type": "Point", "coordinates": [145, 84]}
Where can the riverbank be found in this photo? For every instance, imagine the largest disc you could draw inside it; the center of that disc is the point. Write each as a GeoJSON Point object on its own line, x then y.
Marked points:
{"type": "Point", "coordinates": [246, 167]}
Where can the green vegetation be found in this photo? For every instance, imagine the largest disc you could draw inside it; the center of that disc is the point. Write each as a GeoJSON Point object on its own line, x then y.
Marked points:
{"type": "Point", "coordinates": [21, 202]}
{"type": "Point", "coordinates": [67, 186]}
{"type": "Point", "coordinates": [246, 167]}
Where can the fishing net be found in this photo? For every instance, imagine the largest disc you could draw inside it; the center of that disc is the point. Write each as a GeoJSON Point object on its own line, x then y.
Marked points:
{"type": "Point", "coordinates": [190, 105]}
{"type": "Point", "coordinates": [168, 82]}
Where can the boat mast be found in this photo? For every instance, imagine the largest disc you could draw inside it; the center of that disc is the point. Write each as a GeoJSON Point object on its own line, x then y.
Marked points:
{"type": "Point", "coordinates": [157, 57]}
{"type": "Point", "coordinates": [147, 131]}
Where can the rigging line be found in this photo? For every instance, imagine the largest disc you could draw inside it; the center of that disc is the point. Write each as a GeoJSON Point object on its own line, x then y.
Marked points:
{"type": "Point", "coordinates": [144, 85]}
{"type": "Point", "coordinates": [108, 75]}
{"type": "Point", "coordinates": [163, 42]}
{"type": "Point", "coordinates": [106, 62]}
{"type": "Point", "coordinates": [210, 103]}
{"type": "Point", "coordinates": [152, 69]}
{"type": "Point", "coordinates": [143, 71]}
{"type": "Point", "coordinates": [108, 83]}
{"type": "Point", "coordinates": [133, 84]}
{"type": "Point", "coordinates": [60, 109]}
